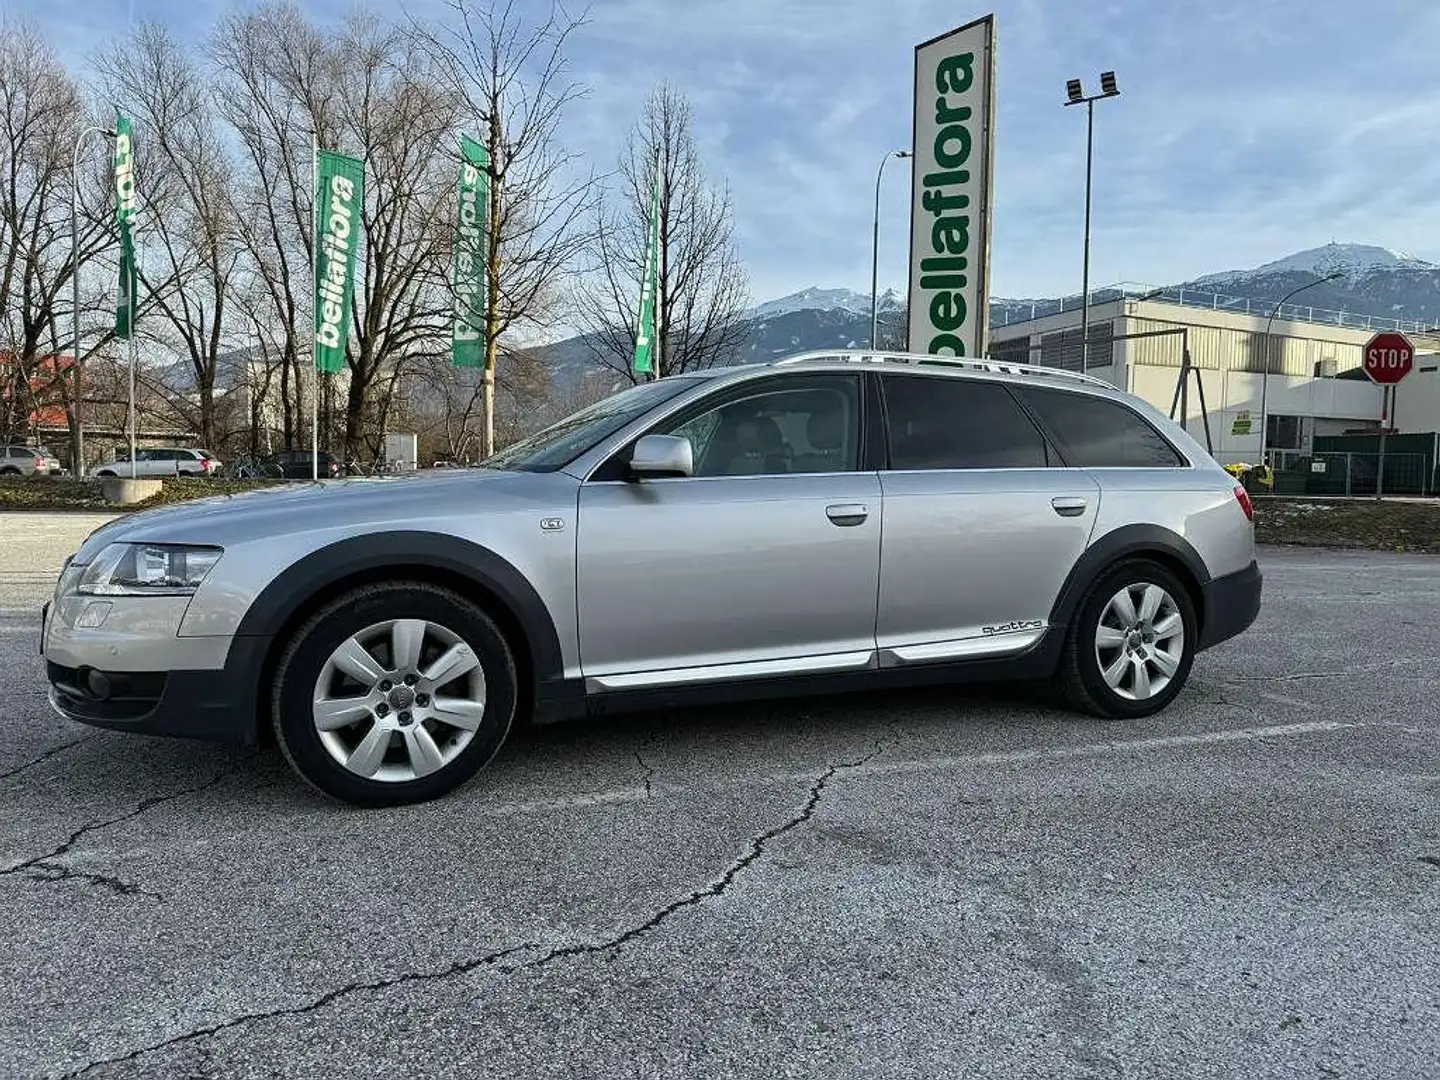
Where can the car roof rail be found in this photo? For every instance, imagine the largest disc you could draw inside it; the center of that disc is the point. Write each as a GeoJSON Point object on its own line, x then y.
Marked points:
{"type": "Point", "coordinates": [996, 367]}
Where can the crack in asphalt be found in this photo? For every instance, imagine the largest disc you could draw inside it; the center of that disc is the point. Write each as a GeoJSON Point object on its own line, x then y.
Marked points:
{"type": "Point", "coordinates": [56, 872]}
{"type": "Point", "coordinates": [753, 851]}
{"type": "Point", "coordinates": [46, 756]}
{"type": "Point", "coordinates": [649, 769]}
{"type": "Point", "coordinates": [717, 887]}
{"type": "Point", "coordinates": [45, 864]}
{"type": "Point", "coordinates": [460, 967]}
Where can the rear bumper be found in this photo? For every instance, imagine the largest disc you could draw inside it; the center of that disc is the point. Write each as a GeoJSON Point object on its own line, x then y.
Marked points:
{"type": "Point", "coordinates": [214, 706]}
{"type": "Point", "coordinates": [1231, 604]}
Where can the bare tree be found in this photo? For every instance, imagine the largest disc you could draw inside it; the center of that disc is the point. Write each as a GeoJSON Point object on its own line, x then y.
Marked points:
{"type": "Point", "coordinates": [703, 291]}
{"type": "Point", "coordinates": [373, 90]}
{"type": "Point", "coordinates": [193, 240]}
{"type": "Point", "coordinates": [514, 84]}
{"type": "Point", "coordinates": [41, 114]}
{"type": "Point", "coordinates": [274, 72]}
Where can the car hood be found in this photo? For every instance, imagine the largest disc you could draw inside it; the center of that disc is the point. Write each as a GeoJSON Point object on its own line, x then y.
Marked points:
{"type": "Point", "coordinates": [359, 503]}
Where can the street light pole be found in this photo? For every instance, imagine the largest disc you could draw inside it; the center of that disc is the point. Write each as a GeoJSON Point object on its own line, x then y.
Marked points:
{"type": "Point", "coordinates": [875, 250]}
{"type": "Point", "coordinates": [1265, 362]}
{"type": "Point", "coordinates": [1076, 96]}
{"type": "Point", "coordinates": [78, 465]}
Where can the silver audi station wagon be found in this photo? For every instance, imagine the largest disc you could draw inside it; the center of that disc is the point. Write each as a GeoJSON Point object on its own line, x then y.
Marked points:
{"type": "Point", "coordinates": [823, 522]}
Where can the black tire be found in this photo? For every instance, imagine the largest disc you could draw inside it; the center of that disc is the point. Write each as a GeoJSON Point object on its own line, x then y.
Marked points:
{"type": "Point", "coordinates": [313, 643]}
{"type": "Point", "coordinates": [1080, 677]}
{"type": "Point", "coordinates": [105, 472]}
{"type": "Point", "coordinates": [9, 470]}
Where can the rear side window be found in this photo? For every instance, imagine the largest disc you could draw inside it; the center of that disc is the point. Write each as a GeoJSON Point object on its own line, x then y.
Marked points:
{"type": "Point", "coordinates": [1093, 433]}
{"type": "Point", "coordinates": [947, 423]}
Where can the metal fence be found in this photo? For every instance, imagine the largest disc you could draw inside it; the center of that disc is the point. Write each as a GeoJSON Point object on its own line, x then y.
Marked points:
{"type": "Point", "coordinates": [1018, 311]}
{"type": "Point", "coordinates": [1298, 473]}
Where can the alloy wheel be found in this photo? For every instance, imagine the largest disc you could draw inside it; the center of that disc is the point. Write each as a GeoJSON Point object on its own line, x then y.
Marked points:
{"type": "Point", "coordinates": [399, 700]}
{"type": "Point", "coordinates": [1140, 641]}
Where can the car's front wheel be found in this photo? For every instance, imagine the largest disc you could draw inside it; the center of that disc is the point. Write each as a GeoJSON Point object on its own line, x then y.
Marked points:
{"type": "Point", "coordinates": [1132, 642]}
{"type": "Point", "coordinates": [394, 693]}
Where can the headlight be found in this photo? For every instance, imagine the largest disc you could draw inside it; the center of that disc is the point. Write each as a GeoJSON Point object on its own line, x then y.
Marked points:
{"type": "Point", "coordinates": [147, 570]}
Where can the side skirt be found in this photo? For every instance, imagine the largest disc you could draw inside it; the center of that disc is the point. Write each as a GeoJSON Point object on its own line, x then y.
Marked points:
{"type": "Point", "coordinates": [569, 701]}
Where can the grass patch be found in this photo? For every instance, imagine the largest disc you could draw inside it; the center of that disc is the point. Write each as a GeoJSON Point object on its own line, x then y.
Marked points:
{"type": "Point", "coordinates": [59, 493]}
{"type": "Point", "coordinates": [1351, 523]}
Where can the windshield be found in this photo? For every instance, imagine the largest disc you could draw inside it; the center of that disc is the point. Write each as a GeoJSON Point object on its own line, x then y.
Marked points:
{"type": "Point", "coordinates": [562, 442]}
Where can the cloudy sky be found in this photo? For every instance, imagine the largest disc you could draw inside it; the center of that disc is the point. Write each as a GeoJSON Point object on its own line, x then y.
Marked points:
{"type": "Point", "coordinates": [1245, 130]}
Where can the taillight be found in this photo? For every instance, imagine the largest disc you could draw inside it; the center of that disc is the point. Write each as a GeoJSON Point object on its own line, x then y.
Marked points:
{"type": "Point", "coordinates": [1243, 498]}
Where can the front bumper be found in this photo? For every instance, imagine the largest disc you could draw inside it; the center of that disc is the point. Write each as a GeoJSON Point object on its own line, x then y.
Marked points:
{"type": "Point", "coordinates": [212, 706]}
{"type": "Point", "coordinates": [136, 674]}
{"type": "Point", "coordinates": [1231, 604]}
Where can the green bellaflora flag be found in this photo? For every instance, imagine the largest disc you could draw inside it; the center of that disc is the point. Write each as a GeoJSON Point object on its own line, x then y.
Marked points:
{"type": "Point", "coordinates": [646, 332]}
{"type": "Point", "coordinates": [341, 198]}
{"type": "Point", "coordinates": [470, 279]}
{"type": "Point", "coordinates": [125, 201]}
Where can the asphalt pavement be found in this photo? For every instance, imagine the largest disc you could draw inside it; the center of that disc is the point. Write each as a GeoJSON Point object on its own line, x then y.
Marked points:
{"type": "Point", "coordinates": [919, 884]}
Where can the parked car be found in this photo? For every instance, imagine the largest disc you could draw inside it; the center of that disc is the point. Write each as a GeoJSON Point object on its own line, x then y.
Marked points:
{"type": "Point", "coordinates": [28, 461]}
{"type": "Point", "coordinates": [163, 461]}
{"type": "Point", "coordinates": [709, 535]}
{"type": "Point", "coordinates": [296, 465]}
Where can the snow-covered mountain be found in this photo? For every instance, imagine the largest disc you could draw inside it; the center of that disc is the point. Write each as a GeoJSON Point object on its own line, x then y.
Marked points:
{"type": "Point", "coordinates": [1355, 261]}
{"type": "Point", "coordinates": [1376, 281]}
{"type": "Point", "coordinates": [817, 299]}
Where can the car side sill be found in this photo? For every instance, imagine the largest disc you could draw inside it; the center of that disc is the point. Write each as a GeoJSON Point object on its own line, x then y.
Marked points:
{"type": "Point", "coordinates": [1036, 663]}
{"type": "Point", "coordinates": [857, 660]}
{"type": "Point", "coordinates": [970, 648]}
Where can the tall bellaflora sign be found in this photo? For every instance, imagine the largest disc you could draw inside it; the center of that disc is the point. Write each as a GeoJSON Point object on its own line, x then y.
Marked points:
{"type": "Point", "coordinates": [951, 191]}
{"type": "Point", "coordinates": [470, 278]}
{"type": "Point", "coordinates": [339, 223]}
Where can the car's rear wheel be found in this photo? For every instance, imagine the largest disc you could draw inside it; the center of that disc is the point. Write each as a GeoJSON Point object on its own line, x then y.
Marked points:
{"type": "Point", "coordinates": [394, 693]}
{"type": "Point", "coordinates": [9, 470]}
{"type": "Point", "coordinates": [1132, 642]}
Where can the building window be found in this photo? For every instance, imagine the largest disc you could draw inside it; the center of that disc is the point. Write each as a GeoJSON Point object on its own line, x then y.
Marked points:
{"type": "Point", "coordinates": [1014, 351]}
{"type": "Point", "coordinates": [1282, 432]}
{"type": "Point", "coordinates": [1062, 349]}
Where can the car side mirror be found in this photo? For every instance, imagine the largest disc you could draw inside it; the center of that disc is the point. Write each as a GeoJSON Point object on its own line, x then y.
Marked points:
{"type": "Point", "coordinates": [662, 455]}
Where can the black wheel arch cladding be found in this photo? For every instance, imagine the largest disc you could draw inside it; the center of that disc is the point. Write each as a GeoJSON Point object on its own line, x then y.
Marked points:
{"type": "Point", "coordinates": [359, 557]}
{"type": "Point", "coordinates": [1140, 542]}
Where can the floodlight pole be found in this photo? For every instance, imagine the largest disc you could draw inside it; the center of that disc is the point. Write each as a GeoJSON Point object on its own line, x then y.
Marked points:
{"type": "Point", "coordinates": [1077, 97]}
{"type": "Point", "coordinates": [875, 252]}
{"type": "Point", "coordinates": [1265, 361]}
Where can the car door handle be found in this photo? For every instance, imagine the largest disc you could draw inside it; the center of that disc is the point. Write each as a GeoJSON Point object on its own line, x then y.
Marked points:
{"type": "Point", "coordinates": [847, 513]}
{"type": "Point", "coordinates": [1068, 507]}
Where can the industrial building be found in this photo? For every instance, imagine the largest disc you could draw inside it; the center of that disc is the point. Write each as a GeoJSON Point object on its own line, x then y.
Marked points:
{"type": "Point", "coordinates": [1315, 387]}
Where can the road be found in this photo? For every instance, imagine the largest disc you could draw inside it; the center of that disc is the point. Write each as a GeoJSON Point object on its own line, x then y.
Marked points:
{"type": "Point", "coordinates": [928, 884]}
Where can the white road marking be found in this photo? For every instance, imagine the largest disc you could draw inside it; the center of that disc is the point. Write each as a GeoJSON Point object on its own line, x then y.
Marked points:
{"type": "Point", "coordinates": [881, 767]}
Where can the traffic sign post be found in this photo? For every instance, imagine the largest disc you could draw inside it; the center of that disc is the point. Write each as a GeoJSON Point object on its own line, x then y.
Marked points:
{"type": "Point", "coordinates": [1389, 357]}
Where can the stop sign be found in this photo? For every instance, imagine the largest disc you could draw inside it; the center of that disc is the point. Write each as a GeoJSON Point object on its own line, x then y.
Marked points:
{"type": "Point", "coordinates": [1389, 356]}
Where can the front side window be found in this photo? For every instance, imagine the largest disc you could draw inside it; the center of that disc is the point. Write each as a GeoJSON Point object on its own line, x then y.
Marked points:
{"type": "Point", "coordinates": [806, 426]}
{"type": "Point", "coordinates": [1094, 433]}
{"type": "Point", "coordinates": [561, 443]}
{"type": "Point", "coordinates": [950, 423]}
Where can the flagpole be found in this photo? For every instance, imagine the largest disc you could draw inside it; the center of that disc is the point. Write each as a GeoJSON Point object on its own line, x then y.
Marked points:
{"type": "Point", "coordinates": [133, 288]}
{"type": "Point", "coordinates": [314, 293]}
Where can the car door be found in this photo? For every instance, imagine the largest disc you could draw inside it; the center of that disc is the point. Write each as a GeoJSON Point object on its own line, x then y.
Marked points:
{"type": "Point", "coordinates": [763, 562]}
{"type": "Point", "coordinates": [982, 522]}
